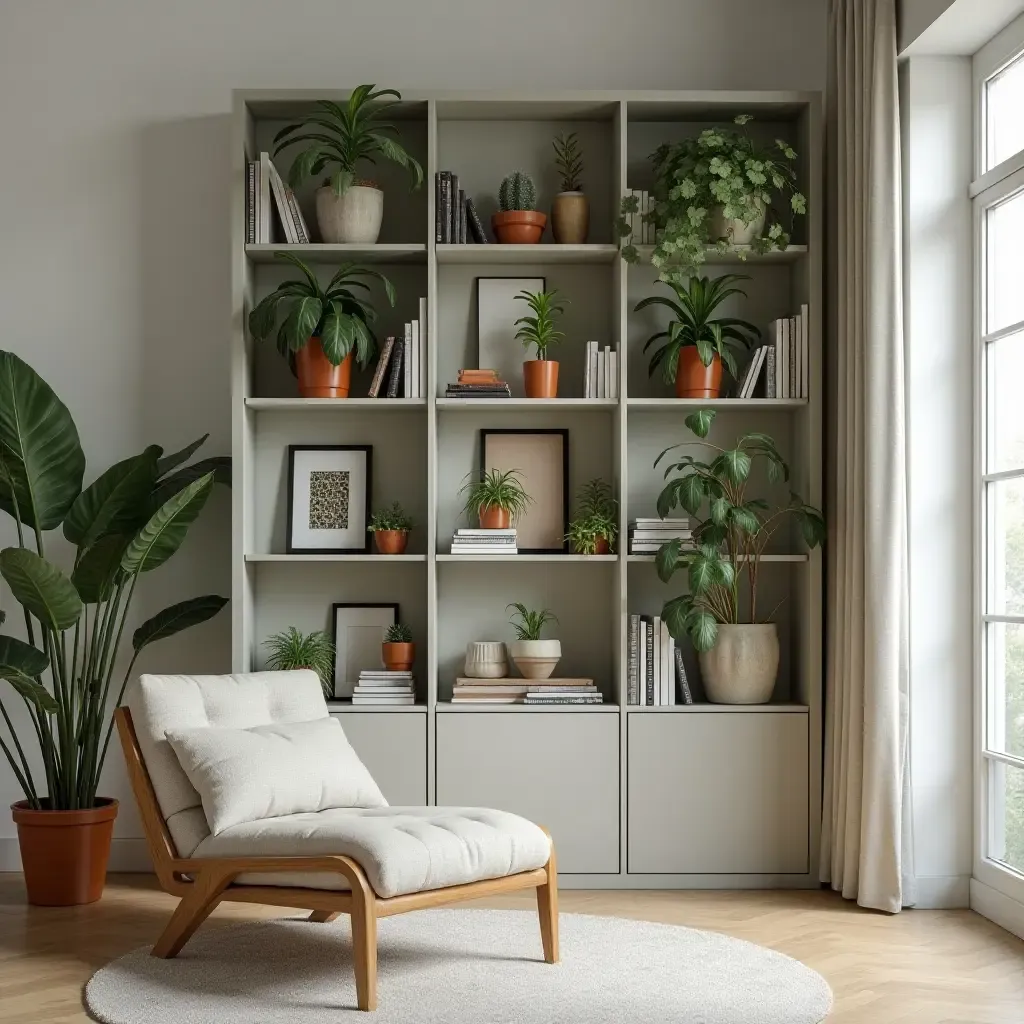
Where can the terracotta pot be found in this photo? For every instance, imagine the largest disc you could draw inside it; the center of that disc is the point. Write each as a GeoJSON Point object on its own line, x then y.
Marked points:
{"type": "Point", "coordinates": [518, 227]}
{"type": "Point", "coordinates": [318, 376]}
{"type": "Point", "coordinates": [64, 854]}
{"type": "Point", "coordinates": [494, 518]}
{"type": "Point", "coordinates": [601, 547]}
{"type": "Point", "coordinates": [391, 542]}
{"type": "Point", "coordinates": [398, 657]}
{"type": "Point", "coordinates": [540, 378]}
{"type": "Point", "coordinates": [694, 379]}
{"type": "Point", "coordinates": [570, 218]}
{"type": "Point", "coordinates": [352, 217]}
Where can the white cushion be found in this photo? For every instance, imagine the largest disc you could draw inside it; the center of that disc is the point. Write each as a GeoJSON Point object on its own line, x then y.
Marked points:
{"type": "Point", "coordinates": [401, 849]}
{"type": "Point", "coordinates": [272, 770]}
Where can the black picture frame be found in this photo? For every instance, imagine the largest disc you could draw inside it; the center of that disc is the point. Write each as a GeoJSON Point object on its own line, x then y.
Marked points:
{"type": "Point", "coordinates": [335, 608]}
{"type": "Point", "coordinates": [293, 450]}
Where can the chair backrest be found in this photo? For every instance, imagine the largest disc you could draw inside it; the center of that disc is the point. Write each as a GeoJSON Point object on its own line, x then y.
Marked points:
{"type": "Point", "coordinates": [164, 703]}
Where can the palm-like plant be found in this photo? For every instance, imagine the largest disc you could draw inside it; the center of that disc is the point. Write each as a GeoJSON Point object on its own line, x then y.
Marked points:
{"type": "Point", "coordinates": [345, 136]}
{"type": "Point", "coordinates": [530, 623]}
{"type": "Point", "coordinates": [291, 649]}
{"type": "Point", "coordinates": [496, 489]}
{"type": "Point", "coordinates": [539, 329]}
{"type": "Point", "coordinates": [694, 324]}
{"type": "Point", "coordinates": [569, 161]}
{"type": "Point", "coordinates": [334, 314]}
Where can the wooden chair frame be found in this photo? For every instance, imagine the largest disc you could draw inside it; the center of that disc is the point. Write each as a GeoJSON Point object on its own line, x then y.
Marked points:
{"type": "Point", "coordinates": [202, 883]}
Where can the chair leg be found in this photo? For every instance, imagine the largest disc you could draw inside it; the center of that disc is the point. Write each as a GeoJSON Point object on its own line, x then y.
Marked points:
{"type": "Point", "coordinates": [323, 916]}
{"type": "Point", "coordinates": [364, 942]}
{"type": "Point", "coordinates": [547, 909]}
{"type": "Point", "coordinates": [195, 907]}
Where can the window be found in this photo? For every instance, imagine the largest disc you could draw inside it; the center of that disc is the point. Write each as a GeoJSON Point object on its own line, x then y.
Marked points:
{"type": "Point", "coordinates": [1004, 126]}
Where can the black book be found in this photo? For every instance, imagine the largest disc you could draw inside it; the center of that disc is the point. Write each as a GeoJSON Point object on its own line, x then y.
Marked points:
{"type": "Point", "coordinates": [463, 230]}
{"type": "Point", "coordinates": [634, 657]}
{"type": "Point", "coordinates": [250, 202]}
{"type": "Point", "coordinates": [684, 683]}
{"type": "Point", "coordinates": [476, 228]}
{"type": "Point", "coordinates": [396, 368]}
{"type": "Point", "coordinates": [453, 209]}
{"type": "Point", "coordinates": [446, 199]}
{"type": "Point", "coordinates": [649, 674]}
{"type": "Point", "coordinates": [438, 190]}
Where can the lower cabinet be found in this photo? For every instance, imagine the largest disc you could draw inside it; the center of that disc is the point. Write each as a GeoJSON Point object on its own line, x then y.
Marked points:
{"type": "Point", "coordinates": [393, 746]}
{"type": "Point", "coordinates": [717, 793]}
{"type": "Point", "coordinates": [559, 770]}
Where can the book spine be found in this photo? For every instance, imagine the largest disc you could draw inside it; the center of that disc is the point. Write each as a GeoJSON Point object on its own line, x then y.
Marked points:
{"type": "Point", "coordinates": [446, 207]}
{"type": "Point", "coordinates": [257, 220]}
{"type": "Point", "coordinates": [792, 341]}
{"type": "Point", "coordinates": [438, 188]}
{"type": "Point", "coordinates": [476, 225]}
{"type": "Point", "coordinates": [656, 659]}
{"type": "Point", "coordinates": [453, 209]}
{"type": "Point", "coordinates": [614, 357]}
{"type": "Point", "coordinates": [642, 662]}
{"type": "Point", "coordinates": [407, 358]}
{"type": "Point", "coordinates": [423, 346]}
{"type": "Point", "coordinates": [649, 682]}
{"type": "Point", "coordinates": [805, 342]}
{"type": "Point", "coordinates": [670, 671]}
{"type": "Point", "coordinates": [462, 217]}
{"type": "Point", "coordinates": [684, 683]}
{"type": "Point", "coordinates": [770, 358]}
{"type": "Point", "coordinates": [396, 369]}
{"type": "Point", "coordinates": [266, 231]}
{"type": "Point", "coordinates": [607, 371]}
{"type": "Point", "coordinates": [634, 628]}
{"type": "Point", "coordinates": [588, 385]}
{"type": "Point", "coordinates": [250, 202]}
{"type": "Point", "coordinates": [382, 365]}
{"type": "Point", "coordinates": [299, 224]}
{"type": "Point", "coordinates": [599, 383]}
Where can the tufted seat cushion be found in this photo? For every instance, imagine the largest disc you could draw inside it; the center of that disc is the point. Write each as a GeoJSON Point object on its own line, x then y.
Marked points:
{"type": "Point", "coordinates": [401, 849]}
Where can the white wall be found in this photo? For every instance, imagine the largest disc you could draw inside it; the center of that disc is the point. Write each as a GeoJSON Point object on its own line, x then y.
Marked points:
{"type": "Point", "coordinates": [914, 16]}
{"type": "Point", "coordinates": [114, 273]}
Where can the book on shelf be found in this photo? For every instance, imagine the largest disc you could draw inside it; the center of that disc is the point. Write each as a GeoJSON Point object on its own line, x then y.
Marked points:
{"type": "Point", "coordinates": [513, 684]}
{"type": "Point", "coordinates": [788, 357]}
{"type": "Point", "coordinates": [389, 699]}
{"type": "Point", "coordinates": [682, 679]}
{"type": "Point", "coordinates": [543, 698]}
{"type": "Point", "coordinates": [480, 532]}
{"type": "Point", "coordinates": [476, 227]}
{"type": "Point", "coordinates": [600, 371]}
{"type": "Point", "coordinates": [633, 662]}
{"type": "Point", "coordinates": [409, 362]}
{"type": "Point", "coordinates": [395, 378]}
{"type": "Point", "coordinates": [422, 362]}
{"type": "Point", "coordinates": [438, 206]}
{"type": "Point", "coordinates": [250, 201]}
{"type": "Point", "coordinates": [483, 549]}
{"type": "Point", "coordinates": [463, 219]}
{"type": "Point", "coordinates": [654, 664]}
{"type": "Point", "coordinates": [382, 364]}
{"type": "Point", "coordinates": [453, 210]}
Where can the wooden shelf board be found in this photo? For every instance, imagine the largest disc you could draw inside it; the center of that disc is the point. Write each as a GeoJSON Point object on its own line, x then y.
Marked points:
{"type": "Point", "coordinates": [544, 252]}
{"type": "Point", "coordinates": [528, 709]}
{"type": "Point", "coordinates": [532, 404]}
{"type": "Point", "coordinates": [743, 255]}
{"type": "Point", "coordinates": [762, 404]}
{"type": "Point", "coordinates": [735, 709]}
{"type": "Point", "coordinates": [764, 558]}
{"type": "Point", "coordinates": [322, 252]}
{"type": "Point", "coordinates": [357, 557]}
{"type": "Point", "coordinates": [334, 404]}
{"type": "Point", "coordinates": [527, 558]}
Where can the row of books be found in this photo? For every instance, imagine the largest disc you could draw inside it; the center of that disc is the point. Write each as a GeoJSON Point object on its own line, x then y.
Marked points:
{"type": "Point", "coordinates": [381, 686]}
{"type": "Point", "coordinates": [656, 673]}
{"type": "Point", "coordinates": [785, 361]}
{"type": "Point", "coordinates": [601, 372]}
{"type": "Point", "coordinates": [478, 384]}
{"type": "Point", "coordinates": [455, 216]}
{"type": "Point", "coordinates": [642, 231]}
{"type": "Point", "coordinates": [485, 542]}
{"type": "Point", "coordinates": [402, 362]}
{"type": "Point", "coordinates": [525, 691]}
{"type": "Point", "coordinates": [265, 194]}
{"type": "Point", "coordinates": [647, 535]}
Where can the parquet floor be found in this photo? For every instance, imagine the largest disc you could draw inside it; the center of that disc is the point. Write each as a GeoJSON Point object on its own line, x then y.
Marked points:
{"type": "Point", "coordinates": [921, 967]}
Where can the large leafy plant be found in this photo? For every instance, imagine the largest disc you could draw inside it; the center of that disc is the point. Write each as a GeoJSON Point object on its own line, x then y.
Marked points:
{"type": "Point", "coordinates": [342, 137]}
{"type": "Point", "coordinates": [731, 532]}
{"type": "Point", "coordinates": [538, 328]}
{"type": "Point", "coordinates": [128, 522]}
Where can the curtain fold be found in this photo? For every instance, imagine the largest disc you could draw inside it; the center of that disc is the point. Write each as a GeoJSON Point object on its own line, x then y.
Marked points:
{"type": "Point", "coordinates": [866, 841]}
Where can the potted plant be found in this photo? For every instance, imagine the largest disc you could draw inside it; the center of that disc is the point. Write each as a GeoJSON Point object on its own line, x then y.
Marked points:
{"type": "Point", "coordinates": [518, 221]}
{"type": "Point", "coordinates": [130, 520]}
{"type": "Point", "coordinates": [697, 343]}
{"type": "Point", "coordinates": [595, 526]}
{"type": "Point", "coordinates": [534, 657]}
{"type": "Point", "coordinates": [497, 498]}
{"type": "Point", "coordinates": [390, 528]}
{"type": "Point", "coordinates": [337, 139]}
{"type": "Point", "coordinates": [716, 190]}
{"type": "Point", "coordinates": [570, 212]}
{"type": "Point", "coordinates": [398, 651]}
{"type": "Point", "coordinates": [321, 328]}
{"type": "Point", "coordinates": [739, 653]}
{"type": "Point", "coordinates": [291, 649]}
{"type": "Point", "coordinates": [540, 375]}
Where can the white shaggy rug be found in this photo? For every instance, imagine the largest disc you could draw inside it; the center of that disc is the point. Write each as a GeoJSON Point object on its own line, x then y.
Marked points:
{"type": "Point", "coordinates": [462, 967]}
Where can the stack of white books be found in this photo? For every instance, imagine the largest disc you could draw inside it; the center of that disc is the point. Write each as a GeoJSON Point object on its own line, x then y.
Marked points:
{"type": "Point", "coordinates": [785, 361]}
{"type": "Point", "coordinates": [647, 535]}
{"type": "Point", "coordinates": [379, 686]}
{"type": "Point", "coordinates": [484, 542]}
{"type": "Point", "coordinates": [600, 371]}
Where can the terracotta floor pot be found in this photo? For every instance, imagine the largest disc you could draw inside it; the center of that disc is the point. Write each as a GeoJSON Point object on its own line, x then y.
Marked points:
{"type": "Point", "coordinates": [518, 227]}
{"type": "Point", "coordinates": [494, 518]}
{"type": "Point", "coordinates": [318, 376]}
{"type": "Point", "coordinates": [694, 379]}
{"type": "Point", "coordinates": [540, 378]}
{"type": "Point", "coordinates": [64, 854]}
{"type": "Point", "coordinates": [391, 542]}
{"type": "Point", "coordinates": [570, 218]}
{"type": "Point", "coordinates": [398, 657]}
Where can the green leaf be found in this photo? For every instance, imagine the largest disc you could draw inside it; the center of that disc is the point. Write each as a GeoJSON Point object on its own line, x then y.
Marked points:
{"type": "Point", "coordinates": [42, 458]}
{"type": "Point", "coordinates": [703, 573]}
{"type": "Point", "coordinates": [692, 489]}
{"type": "Point", "coordinates": [18, 656]}
{"type": "Point", "coordinates": [177, 617]}
{"type": "Point", "coordinates": [302, 165]}
{"type": "Point", "coordinates": [29, 688]}
{"type": "Point", "coordinates": [703, 629]}
{"type": "Point", "coordinates": [719, 509]}
{"type": "Point", "coordinates": [734, 464]}
{"type": "Point", "coordinates": [337, 335]}
{"type": "Point", "coordinates": [341, 181]}
{"type": "Point", "coordinates": [700, 421]}
{"type": "Point", "coordinates": [301, 321]}
{"type": "Point", "coordinates": [263, 317]}
{"type": "Point", "coordinates": [97, 569]}
{"type": "Point", "coordinates": [41, 587]}
{"type": "Point", "coordinates": [666, 561]}
{"type": "Point", "coordinates": [169, 462]}
{"type": "Point", "coordinates": [676, 614]}
{"type": "Point", "coordinates": [219, 465]}
{"type": "Point", "coordinates": [166, 530]}
{"type": "Point", "coordinates": [745, 519]}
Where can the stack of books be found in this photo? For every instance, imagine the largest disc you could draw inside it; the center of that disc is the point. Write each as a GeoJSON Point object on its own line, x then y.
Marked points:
{"type": "Point", "coordinates": [455, 218]}
{"type": "Point", "coordinates": [655, 666]}
{"type": "Point", "coordinates": [647, 535]}
{"type": "Point", "coordinates": [379, 686]}
{"type": "Point", "coordinates": [402, 364]}
{"type": "Point", "coordinates": [525, 691]}
{"type": "Point", "coordinates": [485, 542]}
{"type": "Point", "coordinates": [785, 361]}
{"type": "Point", "coordinates": [600, 371]}
{"type": "Point", "coordinates": [478, 384]}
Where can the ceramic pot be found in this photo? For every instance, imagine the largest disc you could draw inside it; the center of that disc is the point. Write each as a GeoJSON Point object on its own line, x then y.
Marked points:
{"type": "Point", "coordinates": [536, 659]}
{"type": "Point", "coordinates": [486, 659]}
{"type": "Point", "coordinates": [318, 376]}
{"type": "Point", "coordinates": [540, 378]}
{"type": "Point", "coordinates": [494, 518]}
{"type": "Point", "coordinates": [742, 666]}
{"type": "Point", "coordinates": [64, 854]}
{"type": "Point", "coordinates": [694, 379]}
{"type": "Point", "coordinates": [518, 227]}
{"type": "Point", "coordinates": [391, 542]}
{"type": "Point", "coordinates": [601, 547]}
{"type": "Point", "coordinates": [354, 216]}
{"type": "Point", "coordinates": [398, 657]}
{"type": "Point", "coordinates": [735, 232]}
{"type": "Point", "coordinates": [570, 218]}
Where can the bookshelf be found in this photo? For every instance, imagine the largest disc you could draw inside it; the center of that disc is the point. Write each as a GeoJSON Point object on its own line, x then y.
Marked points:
{"type": "Point", "coordinates": [626, 791]}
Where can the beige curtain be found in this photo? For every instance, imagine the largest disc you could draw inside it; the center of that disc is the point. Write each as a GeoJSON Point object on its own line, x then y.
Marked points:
{"type": "Point", "coordinates": [866, 849]}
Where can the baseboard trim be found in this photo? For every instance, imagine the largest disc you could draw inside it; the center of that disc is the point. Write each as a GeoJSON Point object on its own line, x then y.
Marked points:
{"type": "Point", "coordinates": [126, 855]}
{"type": "Point", "coordinates": [997, 907]}
{"type": "Point", "coordinates": [943, 892]}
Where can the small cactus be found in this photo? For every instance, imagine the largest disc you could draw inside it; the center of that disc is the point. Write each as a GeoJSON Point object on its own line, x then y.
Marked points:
{"type": "Point", "coordinates": [398, 633]}
{"type": "Point", "coordinates": [517, 192]}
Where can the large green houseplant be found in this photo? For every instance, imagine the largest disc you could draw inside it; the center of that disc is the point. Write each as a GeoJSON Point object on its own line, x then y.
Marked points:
{"type": "Point", "coordinates": [69, 668]}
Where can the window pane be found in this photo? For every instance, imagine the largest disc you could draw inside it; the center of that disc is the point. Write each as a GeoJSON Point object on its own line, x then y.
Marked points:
{"type": "Point", "coordinates": [1004, 269]}
{"type": "Point", "coordinates": [1005, 404]}
{"type": "Point", "coordinates": [1006, 814]}
{"type": "Point", "coordinates": [1004, 542]}
{"type": "Point", "coordinates": [1005, 687]}
{"type": "Point", "coordinates": [1004, 100]}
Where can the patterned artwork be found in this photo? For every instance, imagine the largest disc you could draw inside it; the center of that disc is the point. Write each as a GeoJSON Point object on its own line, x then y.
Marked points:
{"type": "Point", "coordinates": [328, 499]}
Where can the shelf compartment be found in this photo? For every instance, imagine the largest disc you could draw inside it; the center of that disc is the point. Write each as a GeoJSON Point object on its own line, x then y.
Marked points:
{"type": "Point", "coordinates": [336, 253]}
{"type": "Point", "coordinates": [542, 252]}
{"type": "Point", "coordinates": [358, 557]}
{"type": "Point", "coordinates": [720, 404]}
{"type": "Point", "coordinates": [334, 404]}
{"type": "Point", "coordinates": [447, 707]}
{"type": "Point", "coordinates": [531, 404]}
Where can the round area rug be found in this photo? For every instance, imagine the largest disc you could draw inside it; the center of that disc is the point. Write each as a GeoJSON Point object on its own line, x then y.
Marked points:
{"type": "Point", "coordinates": [462, 967]}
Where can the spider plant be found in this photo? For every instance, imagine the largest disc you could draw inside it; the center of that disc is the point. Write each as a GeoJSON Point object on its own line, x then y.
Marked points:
{"type": "Point", "coordinates": [496, 489]}
{"type": "Point", "coordinates": [596, 518]}
{"type": "Point", "coordinates": [530, 623]}
{"type": "Point", "coordinates": [539, 329]}
{"type": "Point", "coordinates": [291, 649]}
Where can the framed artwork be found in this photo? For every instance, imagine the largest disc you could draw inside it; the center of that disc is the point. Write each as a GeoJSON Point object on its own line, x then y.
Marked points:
{"type": "Point", "coordinates": [496, 314]}
{"type": "Point", "coordinates": [358, 631]}
{"type": "Point", "coordinates": [329, 490]}
{"type": "Point", "coordinates": [542, 458]}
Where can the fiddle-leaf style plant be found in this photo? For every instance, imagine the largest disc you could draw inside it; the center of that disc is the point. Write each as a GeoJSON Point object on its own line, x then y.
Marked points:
{"type": "Point", "coordinates": [529, 624]}
{"type": "Point", "coordinates": [569, 161]}
{"type": "Point", "coordinates": [393, 518]}
{"type": "Point", "coordinates": [596, 518]}
{"type": "Point", "coordinates": [724, 169]}
{"type": "Point", "coordinates": [496, 489]}
{"type": "Point", "coordinates": [538, 330]}
{"type": "Point", "coordinates": [731, 533]}
{"type": "Point", "coordinates": [343, 136]}
{"type": "Point", "coordinates": [694, 323]}
{"type": "Point", "coordinates": [130, 520]}
{"type": "Point", "coordinates": [398, 633]}
{"type": "Point", "coordinates": [517, 192]}
{"type": "Point", "coordinates": [335, 314]}
{"type": "Point", "coordinates": [291, 649]}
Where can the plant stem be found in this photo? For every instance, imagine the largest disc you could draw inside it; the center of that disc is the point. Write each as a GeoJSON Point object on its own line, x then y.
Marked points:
{"type": "Point", "coordinates": [26, 780]}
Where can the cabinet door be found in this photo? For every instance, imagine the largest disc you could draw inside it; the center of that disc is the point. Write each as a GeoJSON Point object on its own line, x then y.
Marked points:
{"type": "Point", "coordinates": [717, 793]}
{"type": "Point", "coordinates": [560, 770]}
{"type": "Point", "coordinates": [393, 746]}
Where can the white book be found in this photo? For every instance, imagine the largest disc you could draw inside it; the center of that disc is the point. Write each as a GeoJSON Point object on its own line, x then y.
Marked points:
{"type": "Point", "coordinates": [414, 369]}
{"type": "Point", "coordinates": [423, 347]}
{"type": "Point", "coordinates": [750, 377]}
{"type": "Point", "coordinates": [258, 219]}
{"type": "Point", "coordinates": [600, 374]}
{"type": "Point", "coordinates": [607, 371]}
{"type": "Point", "coordinates": [588, 378]}
{"type": "Point", "coordinates": [805, 344]}
{"type": "Point", "coordinates": [657, 661]}
{"type": "Point", "coordinates": [670, 662]}
{"type": "Point", "coordinates": [643, 662]}
{"type": "Point", "coordinates": [280, 199]}
{"type": "Point", "coordinates": [464, 532]}
{"type": "Point", "coordinates": [781, 368]}
{"type": "Point", "coordinates": [485, 549]}
{"type": "Point", "coordinates": [614, 357]}
{"type": "Point", "coordinates": [793, 342]}
{"type": "Point", "coordinates": [265, 217]}
{"type": "Point", "coordinates": [593, 369]}
{"type": "Point", "coordinates": [407, 361]}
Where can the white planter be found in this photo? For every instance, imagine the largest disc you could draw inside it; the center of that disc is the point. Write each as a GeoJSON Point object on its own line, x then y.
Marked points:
{"type": "Point", "coordinates": [742, 666]}
{"type": "Point", "coordinates": [536, 659]}
{"type": "Point", "coordinates": [352, 217]}
{"type": "Point", "coordinates": [736, 232]}
{"type": "Point", "coordinates": [486, 659]}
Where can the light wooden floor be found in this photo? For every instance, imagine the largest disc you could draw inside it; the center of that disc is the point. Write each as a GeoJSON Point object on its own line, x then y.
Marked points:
{"type": "Point", "coordinates": [921, 967]}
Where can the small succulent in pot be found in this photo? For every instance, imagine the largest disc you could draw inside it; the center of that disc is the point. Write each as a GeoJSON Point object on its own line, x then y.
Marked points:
{"type": "Point", "coordinates": [518, 221]}
{"type": "Point", "coordinates": [398, 652]}
{"type": "Point", "coordinates": [534, 657]}
{"type": "Point", "coordinates": [540, 375]}
{"type": "Point", "coordinates": [390, 528]}
{"type": "Point", "coordinates": [570, 211]}
{"type": "Point", "coordinates": [595, 526]}
{"type": "Point", "coordinates": [497, 497]}
{"type": "Point", "coordinates": [291, 649]}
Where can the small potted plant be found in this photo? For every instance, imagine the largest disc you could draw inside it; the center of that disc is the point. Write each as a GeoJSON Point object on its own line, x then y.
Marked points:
{"type": "Point", "coordinates": [336, 140]}
{"type": "Point", "coordinates": [390, 528]}
{"type": "Point", "coordinates": [291, 649]}
{"type": "Point", "coordinates": [398, 651]}
{"type": "Point", "coordinates": [595, 526]}
{"type": "Point", "coordinates": [497, 498]}
{"type": "Point", "coordinates": [570, 211]}
{"type": "Point", "coordinates": [697, 343]}
{"type": "Point", "coordinates": [540, 375]}
{"type": "Point", "coordinates": [534, 657]}
{"type": "Point", "coordinates": [321, 327]}
{"type": "Point", "coordinates": [518, 221]}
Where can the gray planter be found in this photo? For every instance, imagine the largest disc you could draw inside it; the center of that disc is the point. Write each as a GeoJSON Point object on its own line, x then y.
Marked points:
{"type": "Point", "coordinates": [742, 666]}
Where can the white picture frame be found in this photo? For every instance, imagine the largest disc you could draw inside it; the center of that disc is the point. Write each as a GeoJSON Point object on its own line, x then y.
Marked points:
{"type": "Point", "coordinates": [497, 310]}
{"type": "Point", "coordinates": [358, 631]}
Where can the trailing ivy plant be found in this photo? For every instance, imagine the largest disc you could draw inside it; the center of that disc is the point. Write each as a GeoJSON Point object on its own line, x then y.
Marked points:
{"type": "Point", "coordinates": [538, 329]}
{"type": "Point", "coordinates": [292, 649]}
{"type": "Point", "coordinates": [731, 533]}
